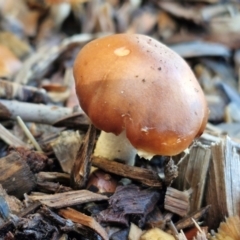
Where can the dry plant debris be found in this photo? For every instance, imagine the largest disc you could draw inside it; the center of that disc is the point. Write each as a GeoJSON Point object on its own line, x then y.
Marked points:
{"type": "Point", "coordinates": [142, 175]}
{"type": "Point", "coordinates": [69, 198]}
{"type": "Point", "coordinates": [229, 229]}
{"type": "Point", "coordinates": [156, 233]}
{"type": "Point", "coordinates": [84, 220]}
{"type": "Point", "coordinates": [39, 41]}
{"type": "Point", "coordinates": [176, 201]}
{"type": "Point", "coordinates": [129, 202]}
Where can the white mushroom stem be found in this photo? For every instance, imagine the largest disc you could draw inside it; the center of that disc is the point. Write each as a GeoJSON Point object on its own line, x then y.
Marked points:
{"type": "Point", "coordinates": [145, 155]}
{"type": "Point", "coordinates": [113, 147]}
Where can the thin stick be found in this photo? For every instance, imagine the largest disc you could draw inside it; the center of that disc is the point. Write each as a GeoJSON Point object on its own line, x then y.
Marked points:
{"type": "Point", "coordinates": [183, 237]}
{"type": "Point", "coordinates": [28, 134]}
{"type": "Point", "coordinates": [197, 226]}
{"type": "Point", "coordinates": [173, 229]}
{"type": "Point", "coordinates": [38, 113]}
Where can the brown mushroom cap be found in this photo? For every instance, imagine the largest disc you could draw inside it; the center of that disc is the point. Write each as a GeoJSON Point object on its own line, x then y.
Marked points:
{"type": "Point", "coordinates": [132, 82]}
{"type": "Point", "coordinates": [102, 181]}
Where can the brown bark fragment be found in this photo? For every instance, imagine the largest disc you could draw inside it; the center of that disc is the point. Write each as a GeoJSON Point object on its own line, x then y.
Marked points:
{"type": "Point", "coordinates": [50, 187]}
{"type": "Point", "coordinates": [223, 184]}
{"type": "Point", "coordinates": [193, 172]}
{"type": "Point", "coordinates": [63, 178]}
{"type": "Point", "coordinates": [142, 175]}
{"type": "Point", "coordinates": [15, 175]}
{"type": "Point", "coordinates": [130, 202]}
{"type": "Point", "coordinates": [177, 201]}
{"type": "Point", "coordinates": [81, 167]}
{"type": "Point", "coordinates": [37, 161]}
{"type": "Point", "coordinates": [67, 199]}
{"type": "Point", "coordinates": [187, 222]}
{"type": "Point", "coordinates": [85, 220]}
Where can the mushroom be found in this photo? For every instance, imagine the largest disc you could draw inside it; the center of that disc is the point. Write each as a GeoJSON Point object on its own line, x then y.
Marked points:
{"type": "Point", "coordinates": [101, 182]}
{"type": "Point", "coordinates": [141, 94]}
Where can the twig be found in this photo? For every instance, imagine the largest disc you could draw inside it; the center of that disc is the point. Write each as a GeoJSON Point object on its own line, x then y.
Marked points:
{"type": "Point", "coordinates": [38, 113]}
{"type": "Point", "coordinates": [197, 226]}
{"type": "Point", "coordinates": [11, 90]}
{"type": "Point", "coordinates": [173, 229]}
{"type": "Point", "coordinates": [182, 236]}
{"type": "Point", "coordinates": [28, 134]}
{"type": "Point", "coordinates": [187, 221]}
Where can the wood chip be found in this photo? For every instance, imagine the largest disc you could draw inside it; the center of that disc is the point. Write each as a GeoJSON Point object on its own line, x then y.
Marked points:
{"type": "Point", "coordinates": [15, 175]}
{"type": "Point", "coordinates": [82, 164]}
{"type": "Point", "coordinates": [187, 222]}
{"type": "Point", "coordinates": [66, 147]}
{"type": "Point", "coordinates": [50, 187]}
{"type": "Point", "coordinates": [85, 220]}
{"type": "Point", "coordinates": [9, 204]}
{"type": "Point", "coordinates": [9, 138]}
{"type": "Point", "coordinates": [193, 175]}
{"type": "Point", "coordinates": [223, 185]}
{"type": "Point", "coordinates": [67, 199]}
{"type": "Point", "coordinates": [63, 178]}
{"type": "Point", "coordinates": [142, 175]}
{"type": "Point", "coordinates": [176, 201]}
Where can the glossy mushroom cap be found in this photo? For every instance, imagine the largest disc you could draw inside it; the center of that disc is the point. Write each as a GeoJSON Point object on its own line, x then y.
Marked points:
{"type": "Point", "coordinates": [134, 83]}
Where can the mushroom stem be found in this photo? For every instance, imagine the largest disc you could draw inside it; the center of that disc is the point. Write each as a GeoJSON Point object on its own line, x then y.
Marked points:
{"type": "Point", "coordinates": [113, 147]}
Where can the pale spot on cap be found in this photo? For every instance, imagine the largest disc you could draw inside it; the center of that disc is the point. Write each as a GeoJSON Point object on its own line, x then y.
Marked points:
{"type": "Point", "coordinates": [121, 52]}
